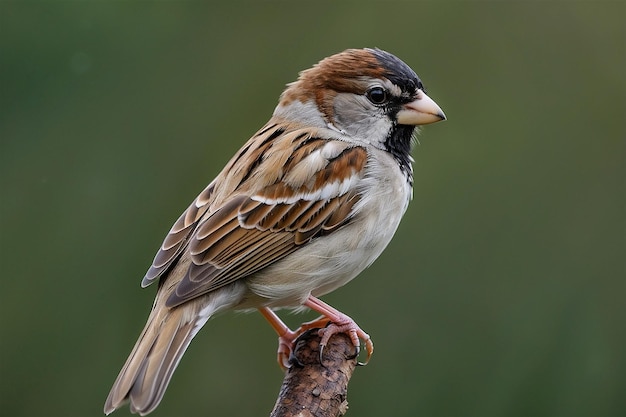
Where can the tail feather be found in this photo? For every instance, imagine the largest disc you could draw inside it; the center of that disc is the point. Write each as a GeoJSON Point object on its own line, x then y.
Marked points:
{"type": "Point", "coordinates": [157, 369]}
{"type": "Point", "coordinates": [162, 343]}
{"type": "Point", "coordinates": [149, 368]}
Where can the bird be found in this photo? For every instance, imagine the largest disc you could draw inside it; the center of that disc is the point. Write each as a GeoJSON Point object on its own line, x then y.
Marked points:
{"type": "Point", "coordinates": [306, 204]}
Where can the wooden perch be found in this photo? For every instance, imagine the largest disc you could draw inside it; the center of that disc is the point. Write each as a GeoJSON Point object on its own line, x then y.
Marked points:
{"type": "Point", "coordinates": [311, 389]}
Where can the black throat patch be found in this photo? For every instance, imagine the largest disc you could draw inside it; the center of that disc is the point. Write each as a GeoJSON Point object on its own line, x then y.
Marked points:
{"type": "Point", "coordinates": [398, 143]}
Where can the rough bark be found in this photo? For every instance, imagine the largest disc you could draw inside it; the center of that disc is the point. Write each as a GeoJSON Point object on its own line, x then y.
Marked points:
{"type": "Point", "coordinates": [314, 389]}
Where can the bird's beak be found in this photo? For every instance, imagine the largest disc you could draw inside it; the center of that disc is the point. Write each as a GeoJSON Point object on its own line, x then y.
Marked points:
{"type": "Point", "coordinates": [421, 111]}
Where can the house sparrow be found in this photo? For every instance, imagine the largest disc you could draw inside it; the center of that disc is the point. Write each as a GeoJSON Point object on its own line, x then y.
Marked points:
{"type": "Point", "coordinates": [303, 207]}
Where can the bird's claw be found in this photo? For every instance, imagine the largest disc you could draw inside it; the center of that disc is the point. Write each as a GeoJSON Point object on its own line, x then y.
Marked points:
{"type": "Point", "coordinates": [355, 334]}
{"type": "Point", "coordinates": [286, 342]}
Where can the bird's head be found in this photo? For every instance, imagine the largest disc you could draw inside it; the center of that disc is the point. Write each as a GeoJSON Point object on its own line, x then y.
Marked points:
{"type": "Point", "coordinates": [368, 95]}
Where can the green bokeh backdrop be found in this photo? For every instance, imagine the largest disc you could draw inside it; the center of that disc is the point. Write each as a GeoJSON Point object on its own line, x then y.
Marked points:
{"type": "Point", "coordinates": [502, 293]}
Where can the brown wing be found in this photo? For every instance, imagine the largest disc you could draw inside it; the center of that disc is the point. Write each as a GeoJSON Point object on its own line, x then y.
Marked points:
{"type": "Point", "coordinates": [276, 202]}
{"type": "Point", "coordinates": [246, 236]}
{"type": "Point", "coordinates": [178, 237]}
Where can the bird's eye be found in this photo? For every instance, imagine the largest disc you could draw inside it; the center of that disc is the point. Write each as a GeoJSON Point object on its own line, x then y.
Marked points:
{"type": "Point", "coordinates": [377, 95]}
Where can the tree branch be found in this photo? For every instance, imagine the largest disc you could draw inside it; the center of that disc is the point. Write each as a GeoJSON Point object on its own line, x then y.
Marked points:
{"type": "Point", "coordinates": [311, 389]}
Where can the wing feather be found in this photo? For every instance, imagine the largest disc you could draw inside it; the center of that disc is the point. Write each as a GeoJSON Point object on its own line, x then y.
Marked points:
{"type": "Point", "coordinates": [176, 240]}
{"type": "Point", "coordinates": [268, 201]}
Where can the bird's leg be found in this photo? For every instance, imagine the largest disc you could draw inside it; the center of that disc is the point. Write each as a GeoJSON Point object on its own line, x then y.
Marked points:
{"type": "Point", "coordinates": [330, 323]}
{"type": "Point", "coordinates": [286, 336]}
{"type": "Point", "coordinates": [339, 323]}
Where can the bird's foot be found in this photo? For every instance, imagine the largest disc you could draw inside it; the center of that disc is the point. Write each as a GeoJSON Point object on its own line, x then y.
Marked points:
{"type": "Point", "coordinates": [330, 323]}
{"type": "Point", "coordinates": [339, 323]}
{"type": "Point", "coordinates": [287, 337]}
{"type": "Point", "coordinates": [287, 341]}
{"type": "Point", "coordinates": [347, 325]}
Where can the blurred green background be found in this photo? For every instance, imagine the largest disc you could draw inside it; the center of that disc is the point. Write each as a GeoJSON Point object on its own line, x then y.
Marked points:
{"type": "Point", "coordinates": [502, 293]}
